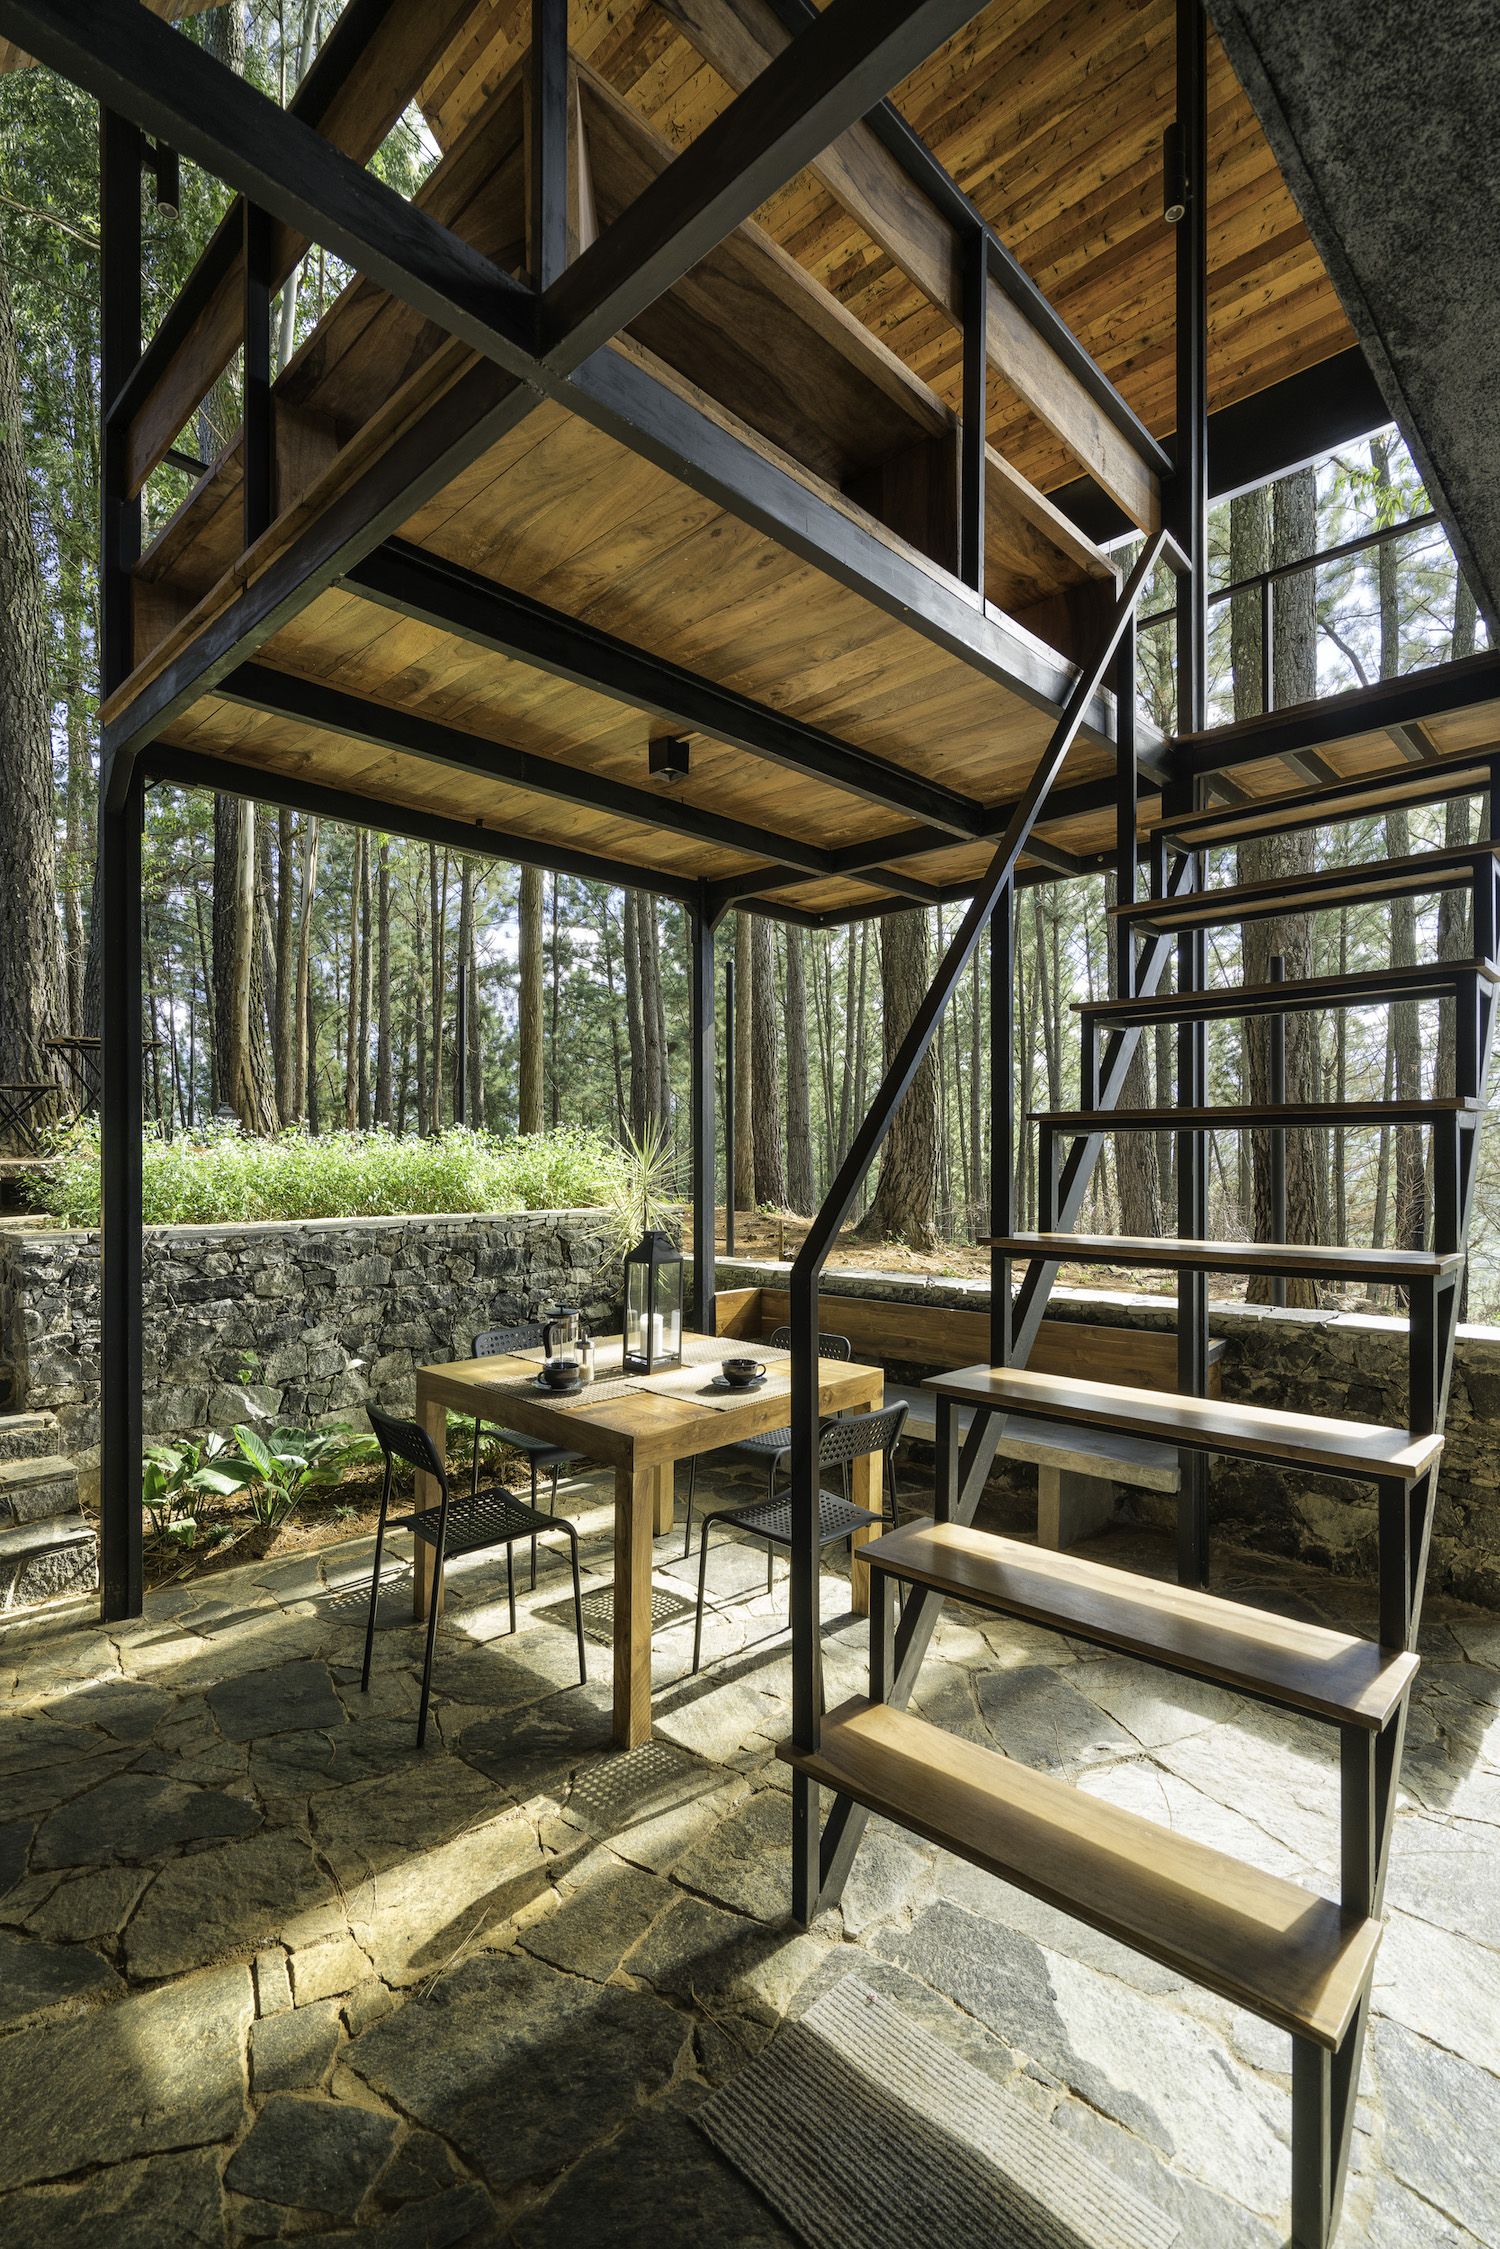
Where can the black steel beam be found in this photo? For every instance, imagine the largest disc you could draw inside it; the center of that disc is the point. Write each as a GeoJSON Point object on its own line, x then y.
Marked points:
{"type": "Point", "coordinates": [144, 68]}
{"type": "Point", "coordinates": [189, 769]}
{"type": "Point", "coordinates": [549, 140]}
{"type": "Point", "coordinates": [411, 734]}
{"type": "Point", "coordinates": [470, 417]}
{"type": "Point", "coordinates": [1338, 718]}
{"type": "Point", "coordinates": [121, 1423]}
{"type": "Point", "coordinates": [258, 440]}
{"type": "Point", "coordinates": [922, 168]}
{"type": "Point", "coordinates": [833, 71]}
{"type": "Point", "coordinates": [342, 49]}
{"type": "Point", "coordinates": [476, 609]}
{"type": "Point", "coordinates": [1283, 427]}
{"type": "Point", "coordinates": [701, 1109]}
{"type": "Point", "coordinates": [119, 342]}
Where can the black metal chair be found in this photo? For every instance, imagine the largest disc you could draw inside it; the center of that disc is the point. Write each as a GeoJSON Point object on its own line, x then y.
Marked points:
{"type": "Point", "coordinates": [492, 1345]}
{"type": "Point", "coordinates": [772, 1445]}
{"type": "Point", "coordinates": [463, 1526]}
{"type": "Point", "coordinates": [771, 1519]}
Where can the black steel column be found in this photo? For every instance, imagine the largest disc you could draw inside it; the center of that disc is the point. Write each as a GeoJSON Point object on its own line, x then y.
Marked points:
{"type": "Point", "coordinates": [1189, 518]}
{"type": "Point", "coordinates": [1002, 1115]}
{"type": "Point", "coordinates": [460, 1045]}
{"type": "Point", "coordinates": [258, 449]}
{"type": "Point", "coordinates": [701, 1106]}
{"type": "Point", "coordinates": [729, 1108]}
{"type": "Point", "coordinates": [120, 349]}
{"type": "Point", "coordinates": [121, 1435]}
{"type": "Point", "coordinates": [549, 139]}
{"type": "Point", "coordinates": [975, 369]}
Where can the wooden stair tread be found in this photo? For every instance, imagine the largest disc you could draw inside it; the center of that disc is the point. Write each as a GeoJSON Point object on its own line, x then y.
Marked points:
{"type": "Point", "coordinates": [1331, 1675]}
{"type": "Point", "coordinates": [1329, 886]}
{"type": "Point", "coordinates": [1459, 774]}
{"type": "Point", "coordinates": [1342, 1448]}
{"type": "Point", "coordinates": [1285, 1954]}
{"type": "Point", "coordinates": [1361, 988]}
{"type": "Point", "coordinates": [1229, 1116]}
{"type": "Point", "coordinates": [1304, 1258]}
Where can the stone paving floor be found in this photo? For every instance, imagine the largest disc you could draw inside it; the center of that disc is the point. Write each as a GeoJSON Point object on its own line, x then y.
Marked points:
{"type": "Point", "coordinates": [267, 1973]}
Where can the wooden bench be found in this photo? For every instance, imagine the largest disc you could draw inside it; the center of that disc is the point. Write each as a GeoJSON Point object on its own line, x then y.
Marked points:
{"type": "Point", "coordinates": [1081, 1474]}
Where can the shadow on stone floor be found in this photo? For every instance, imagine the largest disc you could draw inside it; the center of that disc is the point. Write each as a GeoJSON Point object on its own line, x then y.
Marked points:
{"type": "Point", "coordinates": [474, 1994]}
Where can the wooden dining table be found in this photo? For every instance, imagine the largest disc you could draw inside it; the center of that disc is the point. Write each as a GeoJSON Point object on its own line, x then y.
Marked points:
{"type": "Point", "coordinates": [640, 1427]}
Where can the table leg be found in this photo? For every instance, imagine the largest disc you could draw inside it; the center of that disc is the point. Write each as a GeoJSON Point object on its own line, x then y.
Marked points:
{"type": "Point", "coordinates": [865, 1483]}
{"type": "Point", "coordinates": [635, 1493]}
{"type": "Point", "coordinates": [663, 1503]}
{"type": "Point", "coordinates": [434, 1419]}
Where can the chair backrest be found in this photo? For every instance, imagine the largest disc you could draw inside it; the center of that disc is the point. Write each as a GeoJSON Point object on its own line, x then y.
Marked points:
{"type": "Point", "coordinates": [495, 1341]}
{"type": "Point", "coordinates": [406, 1440]}
{"type": "Point", "coordinates": [861, 1433]}
{"type": "Point", "coordinates": [829, 1346]}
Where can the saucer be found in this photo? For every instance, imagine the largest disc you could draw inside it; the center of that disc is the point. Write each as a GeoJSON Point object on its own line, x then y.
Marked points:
{"type": "Point", "coordinates": [557, 1389]}
{"type": "Point", "coordinates": [722, 1382]}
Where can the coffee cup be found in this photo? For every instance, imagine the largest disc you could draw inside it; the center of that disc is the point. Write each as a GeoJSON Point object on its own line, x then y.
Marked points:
{"type": "Point", "coordinates": [560, 1374]}
{"type": "Point", "coordinates": [740, 1373]}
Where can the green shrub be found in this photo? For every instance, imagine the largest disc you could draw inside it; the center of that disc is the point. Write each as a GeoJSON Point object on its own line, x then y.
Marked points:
{"type": "Point", "coordinates": [222, 1177]}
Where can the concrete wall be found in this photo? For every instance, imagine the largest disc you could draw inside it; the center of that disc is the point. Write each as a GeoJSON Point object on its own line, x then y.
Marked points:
{"type": "Point", "coordinates": [296, 1323]}
{"type": "Point", "coordinates": [1347, 1366]}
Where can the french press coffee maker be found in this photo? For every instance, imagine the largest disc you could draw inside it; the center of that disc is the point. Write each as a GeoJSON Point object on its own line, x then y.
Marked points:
{"type": "Point", "coordinates": [563, 1331]}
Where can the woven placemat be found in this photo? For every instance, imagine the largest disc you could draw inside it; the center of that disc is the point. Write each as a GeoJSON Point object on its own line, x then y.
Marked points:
{"type": "Point", "coordinates": [863, 2131]}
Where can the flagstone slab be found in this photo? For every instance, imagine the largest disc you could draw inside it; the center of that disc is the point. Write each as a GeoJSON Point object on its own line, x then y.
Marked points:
{"type": "Point", "coordinates": [312, 2155]}
{"type": "Point", "coordinates": [166, 2070]}
{"type": "Point", "coordinates": [36, 1978]}
{"type": "Point", "coordinates": [519, 2067]}
{"type": "Point", "coordinates": [745, 1863]}
{"type": "Point", "coordinates": [1442, 2125]}
{"type": "Point", "coordinates": [169, 2202]}
{"type": "Point", "coordinates": [389, 1821]}
{"type": "Point", "coordinates": [216, 1903]}
{"type": "Point", "coordinates": [659, 2186]}
{"type": "Point", "coordinates": [293, 2051]}
{"type": "Point", "coordinates": [600, 1920]}
{"type": "Point", "coordinates": [135, 1816]}
{"type": "Point", "coordinates": [414, 1918]}
{"type": "Point", "coordinates": [464, 2218]}
{"type": "Point", "coordinates": [292, 1697]}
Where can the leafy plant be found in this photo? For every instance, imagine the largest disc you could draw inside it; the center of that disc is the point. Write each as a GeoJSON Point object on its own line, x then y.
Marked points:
{"type": "Point", "coordinates": [176, 1475]}
{"type": "Point", "coordinates": [646, 1189]}
{"type": "Point", "coordinates": [212, 1176]}
{"type": "Point", "coordinates": [288, 1464]}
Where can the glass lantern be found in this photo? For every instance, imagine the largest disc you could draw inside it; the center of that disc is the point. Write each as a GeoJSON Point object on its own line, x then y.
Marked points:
{"type": "Point", "coordinates": [653, 1304]}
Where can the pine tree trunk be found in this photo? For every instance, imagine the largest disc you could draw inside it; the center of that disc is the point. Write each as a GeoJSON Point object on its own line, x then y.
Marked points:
{"type": "Point", "coordinates": [607, 946]}
{"type": "Point", "coordinates": [239, 1003]}
{"type": "Point", "coordinates": [351, 1010]}
{"type": "Point", "coordinates": [529, 973]}
{"type": "Point", "coordinates": [462, 982]}
{"type": "Point", "coordinates": [905, 1205]}
{"type": "Point", "coordinates": [438, 900]}
{"type": "Point", "coordinates": [635, 1031]}
{"type": "Point", "coordinates": [765, 1074]}
{"type": "Point", "coordinates": [304, 1003]}
{"type": "Point", "coordinates": [31, 972]}
{"type": "Point", "coordinates": [476, 1041]}
{"type": "Point", "coordinates": [801, 1187]}
{"type": "Point", "coordinates": [554, 1044]}
{"type": "Point", "coordinates": [283, 1065]}
{"type": "Point", "coordinates": [1135, 1152]}
{"type": "Point", "coordinates": [366, 984]}
{"type": "Point", "coordinates": [422, 1011]}
{"type": "Point", "coordinates": [744, 1063]}
{"type": "Point", "coordinates": [383, 988]}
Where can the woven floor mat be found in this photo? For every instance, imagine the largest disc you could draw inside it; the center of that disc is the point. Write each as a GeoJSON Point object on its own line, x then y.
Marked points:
{"type": "Point", "coordinates": [863, 2131]}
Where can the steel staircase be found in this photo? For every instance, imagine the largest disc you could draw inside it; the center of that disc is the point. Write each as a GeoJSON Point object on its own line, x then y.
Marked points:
{"type": "Point", "coordinates": [1300, 1962]}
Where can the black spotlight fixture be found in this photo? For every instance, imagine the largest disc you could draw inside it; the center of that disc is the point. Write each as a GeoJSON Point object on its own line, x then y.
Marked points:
{"type": "Point", "coordinates": [668, 756]}
{"type": "Point", "coordinates": [1174, 184]}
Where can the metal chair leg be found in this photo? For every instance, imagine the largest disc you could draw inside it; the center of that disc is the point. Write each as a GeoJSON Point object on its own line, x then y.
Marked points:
{"type": "Point", "coordinates": [364, 1683]}
{"type": "Point", "coordinates": [474, 1479]}
{"type": "Point", "coordinates": [770, 1568]}
{"type": "Point", "coordinates": [702, 1578]}
{"type": "Point", "coordinates": [583, 1669]}
{"type": "Point", "coordinates": [432, 1618]}
{"type": "Point", "coordinates": [535, 1511]}
{"type": "Point", "coordinates": [552, 1502]}
{"type": "Point", "coordinates": [510, 1579]}
{"type": "Point", "coordinates": [687, 1536]}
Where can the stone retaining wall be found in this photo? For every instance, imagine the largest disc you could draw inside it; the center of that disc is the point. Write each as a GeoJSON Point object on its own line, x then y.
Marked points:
{"type": "Point", "coordinates": [1347, 1366]}
{"type": "Point", "coordinates": [290, 1323]}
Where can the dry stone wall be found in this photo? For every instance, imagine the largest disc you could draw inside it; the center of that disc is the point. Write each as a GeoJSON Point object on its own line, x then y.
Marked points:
{"type": "Point", "coordinates": [291, 1323]}
{"type": "Point", "coordinates": [1348, 1366]}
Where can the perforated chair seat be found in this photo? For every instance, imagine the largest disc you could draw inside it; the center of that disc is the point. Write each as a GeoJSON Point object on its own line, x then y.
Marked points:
{"type": "Point", "coordinates": [772, 1519]}
{"type": "Point", "coordinates": [485, 1518]}
{"type": "Point", "coordinates": [769, 1440]}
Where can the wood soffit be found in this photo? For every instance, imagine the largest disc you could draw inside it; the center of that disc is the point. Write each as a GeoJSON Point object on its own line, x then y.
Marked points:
{"type": "Point", "coordinates": [1050, 117]}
